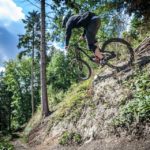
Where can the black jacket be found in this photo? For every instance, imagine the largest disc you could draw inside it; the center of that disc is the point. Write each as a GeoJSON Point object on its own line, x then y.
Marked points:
{"type": "Point", "coordinates": [77, 21]}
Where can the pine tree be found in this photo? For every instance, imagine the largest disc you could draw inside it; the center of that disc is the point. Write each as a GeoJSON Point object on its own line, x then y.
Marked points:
{"type": "Point", "coordinates": [44, 98]}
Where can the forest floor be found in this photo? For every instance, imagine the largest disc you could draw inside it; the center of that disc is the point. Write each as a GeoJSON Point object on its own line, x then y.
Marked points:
{"type": "Point", "coordinates": [107, 144]}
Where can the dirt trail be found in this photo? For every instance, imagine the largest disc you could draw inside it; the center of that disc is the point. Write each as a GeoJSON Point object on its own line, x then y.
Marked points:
{"type": "Point", "coordinates": [18, 145]}
{"type": "Point", "coordinates": [109, 144]}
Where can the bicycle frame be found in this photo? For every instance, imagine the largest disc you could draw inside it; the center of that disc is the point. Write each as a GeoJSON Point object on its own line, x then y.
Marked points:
{"type": "Point", "coordinates": [108, 54]}
{"type": "Point", "coordinates": [78, 50]}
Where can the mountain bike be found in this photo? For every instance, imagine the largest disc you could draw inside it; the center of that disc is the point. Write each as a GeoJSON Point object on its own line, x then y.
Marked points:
{"type": "Point", "coordinates": [117, 51]}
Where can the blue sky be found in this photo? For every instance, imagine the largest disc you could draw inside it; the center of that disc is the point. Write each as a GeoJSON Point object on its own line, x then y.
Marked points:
{"type": "Point", "coordinates": [11, 14]}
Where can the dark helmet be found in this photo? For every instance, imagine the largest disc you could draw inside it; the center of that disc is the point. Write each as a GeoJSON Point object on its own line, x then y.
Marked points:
{"type": "Point", "coordinates": [65, 19]}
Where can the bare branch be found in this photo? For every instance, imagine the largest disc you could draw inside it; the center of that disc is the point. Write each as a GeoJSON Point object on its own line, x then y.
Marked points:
{"type": "Point", "coordinates": [33, 4]}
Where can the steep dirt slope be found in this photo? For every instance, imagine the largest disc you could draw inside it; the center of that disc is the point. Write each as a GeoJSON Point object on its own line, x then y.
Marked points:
{"type": "Point", "coordinates": [92, 114]}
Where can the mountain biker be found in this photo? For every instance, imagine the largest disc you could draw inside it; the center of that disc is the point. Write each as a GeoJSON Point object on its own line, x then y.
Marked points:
{"type": "Point", "coordinates": [91, 23]}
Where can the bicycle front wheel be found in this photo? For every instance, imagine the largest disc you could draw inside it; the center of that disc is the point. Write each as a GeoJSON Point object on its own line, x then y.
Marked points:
{"type": "Point", "coordinates": [123, 51]}
{"type": "Point", "coordinates": [81, 69]}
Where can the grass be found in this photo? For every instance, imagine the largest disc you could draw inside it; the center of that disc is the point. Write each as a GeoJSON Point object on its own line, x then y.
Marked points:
{"type": "Point", "coordinates": [71, 106]}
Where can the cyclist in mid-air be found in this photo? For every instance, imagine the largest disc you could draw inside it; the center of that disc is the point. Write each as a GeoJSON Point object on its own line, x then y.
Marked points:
{"type": "Point", "coordinates": [91, 23]}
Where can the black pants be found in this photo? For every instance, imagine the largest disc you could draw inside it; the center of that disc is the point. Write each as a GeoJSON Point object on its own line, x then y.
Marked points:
{"type": "Point", "coordinates": [91, 32]}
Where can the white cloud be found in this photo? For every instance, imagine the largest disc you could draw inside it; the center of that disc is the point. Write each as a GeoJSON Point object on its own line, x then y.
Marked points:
{"type": "Point", "coordinates": [2, 69]}
{"type": "Point", "coordinates": [10, 11]}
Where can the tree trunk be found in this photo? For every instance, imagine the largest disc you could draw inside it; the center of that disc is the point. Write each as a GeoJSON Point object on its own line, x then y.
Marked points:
{"type": "Point", "coordinates": [32, 74]}
{"type": "Point", "coordinates": [44, 99]}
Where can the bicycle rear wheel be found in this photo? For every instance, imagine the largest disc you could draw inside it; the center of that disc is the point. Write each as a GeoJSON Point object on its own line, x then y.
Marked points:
{"type": "Point", "coordinates": [123, 51]}
{"type": "Point", "coordinates": [81, 69]}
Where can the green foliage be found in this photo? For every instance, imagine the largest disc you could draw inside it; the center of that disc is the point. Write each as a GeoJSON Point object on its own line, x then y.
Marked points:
{"type": "Point", "coordinates": [5, 109]}
{"type": "Point", "coordinates": [137, 32]}
{"type": "Point", "coordinates": [5, 145]}
{"type": "Point", "coordinates": [18, 78]}
{"type": "Point", "coordinates": [139, 7]}
{"type": "Point", "coordinates": [138, 109]}
{"type": "Point", "coordinates": [58, 74]}
{"type": "Point", "coordinates": [31, 39]}
{"type": "Point", "coordinates": [70, 138]}
{"type": "Point", "coordinates": [55, 96]}
{"type": "Point", "coordinates": [134, 29]}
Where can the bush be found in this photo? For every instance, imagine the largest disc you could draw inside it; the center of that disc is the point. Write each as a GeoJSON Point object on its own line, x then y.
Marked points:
{"type": "Point", "coordinates": [5, 145]}
{"type": "Point", "coordinates": [70, 138]}
{"type": "Point", "coordinates": [138, 109]}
